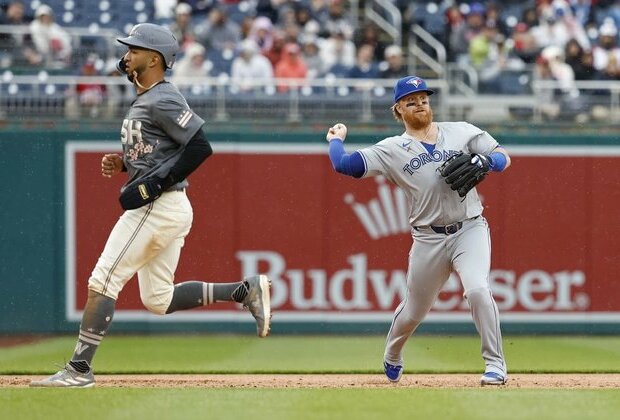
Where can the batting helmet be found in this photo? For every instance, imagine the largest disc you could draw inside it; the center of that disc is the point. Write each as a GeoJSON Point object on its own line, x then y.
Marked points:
{"type": "Point", "coordinates": [153, 37]}
{"type": "Point", "coordinates": [410, 84]}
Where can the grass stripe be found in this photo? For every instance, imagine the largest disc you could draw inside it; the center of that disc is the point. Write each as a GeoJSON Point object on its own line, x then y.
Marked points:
{"type": "Point", "coordinates": [315, 354]}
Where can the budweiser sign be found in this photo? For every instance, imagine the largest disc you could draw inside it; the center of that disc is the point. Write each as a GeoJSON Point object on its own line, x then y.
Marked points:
{"type": "Point", "coordinates": [336, 248]}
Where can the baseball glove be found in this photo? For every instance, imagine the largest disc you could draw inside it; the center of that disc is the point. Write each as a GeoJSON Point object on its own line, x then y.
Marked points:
{"type": "Point", "coordinates": [464, 171]}
{"type": "Point", "coordinates": [141, 193]}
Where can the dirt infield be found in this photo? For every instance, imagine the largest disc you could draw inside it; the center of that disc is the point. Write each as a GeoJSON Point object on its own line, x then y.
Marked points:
{"type": "Point", "coordinates": [569, 381]}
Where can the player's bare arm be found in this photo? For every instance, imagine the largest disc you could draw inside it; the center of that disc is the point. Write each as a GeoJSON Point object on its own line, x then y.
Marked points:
{"type": "Point", "coordinates": [111, 164]}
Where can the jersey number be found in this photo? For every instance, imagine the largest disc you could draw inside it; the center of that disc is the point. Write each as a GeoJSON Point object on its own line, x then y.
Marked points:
{"type": "Point", "coordinates": [131, 132]}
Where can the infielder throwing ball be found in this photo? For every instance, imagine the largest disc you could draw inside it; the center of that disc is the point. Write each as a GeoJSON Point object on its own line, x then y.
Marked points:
{"type": "Point", "coordinates": [163, 143]}
{"type": "Point", "coordinates": [437, 165]}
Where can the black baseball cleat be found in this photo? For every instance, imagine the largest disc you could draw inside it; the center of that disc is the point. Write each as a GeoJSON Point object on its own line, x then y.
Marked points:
{"type": "Point", "coordinates": [258, 301]}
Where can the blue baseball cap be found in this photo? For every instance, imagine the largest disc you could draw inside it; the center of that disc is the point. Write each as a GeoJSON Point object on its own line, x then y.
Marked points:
{"type": "Point", "coordinates": [408, 85]}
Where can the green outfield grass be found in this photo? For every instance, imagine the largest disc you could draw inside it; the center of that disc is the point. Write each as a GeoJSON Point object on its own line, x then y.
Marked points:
{"type": "Point", "coordinates": [315, 354]}
{"type": "Point", "coordinates": [311, 354]}
{"type": "Point", "coordinates": [302, 404]}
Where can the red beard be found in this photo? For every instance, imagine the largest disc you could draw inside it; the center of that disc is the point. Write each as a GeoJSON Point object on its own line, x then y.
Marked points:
{"type": "Point", "coordinates": [418, 120]}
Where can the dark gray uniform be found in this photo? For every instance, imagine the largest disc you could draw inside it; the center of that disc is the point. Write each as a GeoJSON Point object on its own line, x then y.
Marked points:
{"type": "Point", "coordinates": [148, 240]}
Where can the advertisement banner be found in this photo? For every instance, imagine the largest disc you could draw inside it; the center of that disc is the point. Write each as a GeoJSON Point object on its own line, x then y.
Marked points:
{"type": "Point", "coordinates": [336, 248]}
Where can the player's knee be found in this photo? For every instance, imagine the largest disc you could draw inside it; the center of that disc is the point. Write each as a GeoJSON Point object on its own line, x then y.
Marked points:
{"type": "Point", "coordinates": [157, 304]}
{"type": "Point", "coordinates": [479, 296]}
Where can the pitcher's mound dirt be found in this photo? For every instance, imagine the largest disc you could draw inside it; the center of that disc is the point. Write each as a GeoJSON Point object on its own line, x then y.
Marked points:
{"type": "Point", "coordinates": [335, 381]}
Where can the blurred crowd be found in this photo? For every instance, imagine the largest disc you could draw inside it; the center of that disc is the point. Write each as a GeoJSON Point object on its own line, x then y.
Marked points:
{"type": "Point", "coordinates": [258, 41]}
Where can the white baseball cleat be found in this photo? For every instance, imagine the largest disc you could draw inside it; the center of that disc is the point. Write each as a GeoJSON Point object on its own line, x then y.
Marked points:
{"type": "Point", "coordinates": [258, 301]}
{"type": "Point", "coordinates": [67, 378]}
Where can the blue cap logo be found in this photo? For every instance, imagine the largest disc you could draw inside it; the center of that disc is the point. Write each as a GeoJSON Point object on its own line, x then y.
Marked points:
{"type": "Point", "coordinates": [415, 82]}
{"type": "Point", "coordinates": [408, 85]}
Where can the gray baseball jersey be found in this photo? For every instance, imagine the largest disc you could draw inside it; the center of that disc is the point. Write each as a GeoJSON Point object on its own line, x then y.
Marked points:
{"type": "Point", "coordinates": [408, 164]}
{"type": "Point", "coordinates": [155, 130]}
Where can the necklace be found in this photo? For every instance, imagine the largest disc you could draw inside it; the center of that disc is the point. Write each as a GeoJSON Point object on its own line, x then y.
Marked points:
{"type": "Point", "coordinates": [135, 78]}
{"type": "Point", "coordinates": [425, 138]}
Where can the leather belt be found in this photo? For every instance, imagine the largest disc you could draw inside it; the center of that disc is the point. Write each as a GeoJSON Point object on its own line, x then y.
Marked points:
{"type": "Point", "coordinates": [447, 229]}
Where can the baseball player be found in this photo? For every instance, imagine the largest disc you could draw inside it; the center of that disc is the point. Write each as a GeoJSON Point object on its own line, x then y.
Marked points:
{"type": "Point", "coordinates": [449, 231]}
{"type": "Point", "coordinates": [163, 143]}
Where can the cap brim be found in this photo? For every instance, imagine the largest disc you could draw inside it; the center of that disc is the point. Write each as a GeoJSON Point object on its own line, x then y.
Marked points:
{"type": "Point", "coordinates": [428, 92]}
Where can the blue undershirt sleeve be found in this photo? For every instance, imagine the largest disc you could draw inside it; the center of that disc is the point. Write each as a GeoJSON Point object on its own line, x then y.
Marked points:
{"type": "Point", "coordinates": [497, 161]}
{"type": "Point", "coordinates": [344, 163]}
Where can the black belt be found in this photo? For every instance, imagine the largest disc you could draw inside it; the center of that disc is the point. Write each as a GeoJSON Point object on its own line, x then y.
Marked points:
{"type": "Point", "coordinates": [448, 229]}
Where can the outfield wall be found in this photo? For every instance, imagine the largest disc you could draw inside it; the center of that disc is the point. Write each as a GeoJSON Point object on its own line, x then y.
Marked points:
{"type": "Point", "coordinates": [334, 247]}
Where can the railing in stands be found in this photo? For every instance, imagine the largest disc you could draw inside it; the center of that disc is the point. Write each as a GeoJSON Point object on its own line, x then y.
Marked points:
{"type": "Point", "coordinates": [366, 101]}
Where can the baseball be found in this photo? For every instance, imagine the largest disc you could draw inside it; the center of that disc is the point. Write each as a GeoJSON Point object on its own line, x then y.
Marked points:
{"type": "Point", "coordinates": [341, 126]}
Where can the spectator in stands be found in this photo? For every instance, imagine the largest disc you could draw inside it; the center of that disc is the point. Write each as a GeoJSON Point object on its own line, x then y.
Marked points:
{"type": "Point", "coordinates": [218, 32]}
{"type": "Point", "coordinates": [115, 92]}
{"type": "Point", "coordinates": [500, 69]}
{"type": "Point", "coordinates": [369, 34]}
{"type": "Point", "coordinates": [50, 39]}
{"type": "Point", "coordinates": [302, 15]}
{"type": "Point", "coordinates": [182, 27]}
{"type": "Point", "coordinates": [493, 18]}
{"type": "Point", "coordinates": [579, 60]}
{"type": "Point", "coordinates": [251, 70]}
{"type": "Point", "coordinates": [365, 65]}
{"type": "Point", "coordinates": [463, 34]}
{"type": "Point", "coordinates": [275, 51]}
{"type": "Point", "coordinates": [14, 14]}
{"type": "Point", "coordinates": [455, 23]}
{"type": "Point", "coordinates": [193, 64]}
{"type": "Point", "coordinates": [290, 66]}
{"type": "Point", "coordinates": [164, 9]}
{"type": "Point", "coordinates": [530, 17]}
{"type": "Point", "coordinates": [320, 13]}
{"type": "Point", "coordinates": [481, 45]}
{"type": "Point", "coordinates": [91, 95]}
{"type": "Point", "coordinates": [607, 48]}
{"type": "Point", "coordinates": [292, 32]}
{"type": "Point", "coordinates": [338, 53]}
{"type": "Point", "coordinates": [395, 67]}
{"type": "Point", "coordinates": [311, 56]}
{"type": "Point", "coordinates": [338, 19]}
{"type": "Point", "coordinates": [245, 27]}
{"type": "Point", "coordinates": [551, 66]}
{"type": "Point", "coordinates": [524, 43]}
{"type": "Point", "coordinates": [262, 33]}
{"type": "Point", "coordinates": [557, 25]}
{"type": "Point", "coordinates": [17, 49]}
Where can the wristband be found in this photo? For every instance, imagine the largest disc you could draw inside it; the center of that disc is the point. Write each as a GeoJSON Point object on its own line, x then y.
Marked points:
{"type": "Point", "coordinates": [497, 161]}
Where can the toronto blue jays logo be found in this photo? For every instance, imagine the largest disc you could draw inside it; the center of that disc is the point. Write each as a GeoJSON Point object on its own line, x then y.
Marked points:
{"type": "Point", "coordinates": [414, 81]}
{"type": "Point", "coordinates": [423, 158]}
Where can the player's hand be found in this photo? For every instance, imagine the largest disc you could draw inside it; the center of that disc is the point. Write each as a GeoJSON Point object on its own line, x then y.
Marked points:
{"type": "Point", "coordinates": [111, 165]}
{"type": "Point", "coordinates": [338, 131]}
